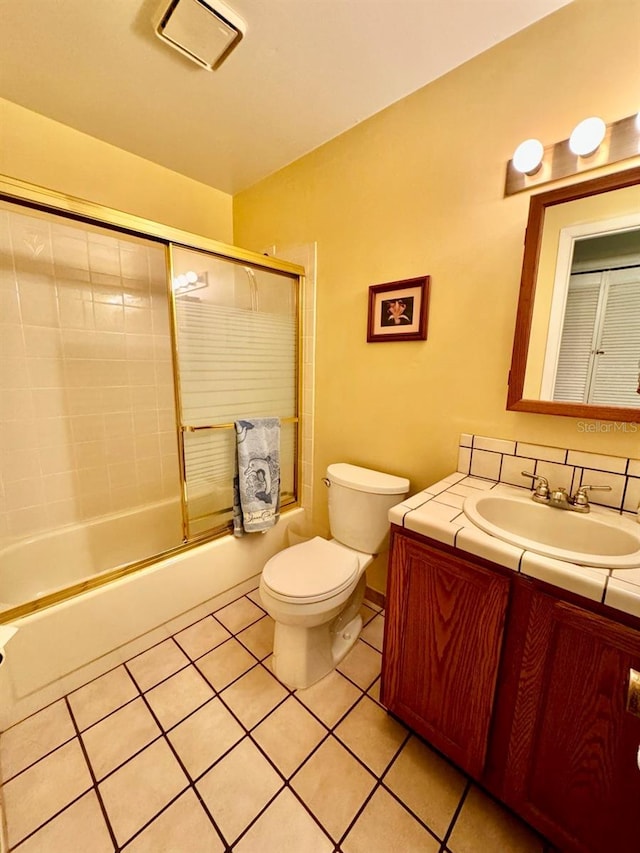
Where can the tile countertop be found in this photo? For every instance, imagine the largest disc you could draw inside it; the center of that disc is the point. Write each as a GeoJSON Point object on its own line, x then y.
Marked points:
{"type": "Point", "coordinates": [437, 512]}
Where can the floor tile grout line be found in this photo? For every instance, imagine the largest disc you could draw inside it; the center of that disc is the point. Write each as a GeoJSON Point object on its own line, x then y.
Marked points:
{"type": "Point", "coordinates": [165, 808]}
{"type": "Point", "coordinates": [248, 730]}
{"type": "Point", "coordinates": [37, 760]}
{"type": "Point", "coordinates": [76, 727]}
{"type": "Point", "coordinates": [456, 813]}
{"type": "Point", "coordinates": [50, 820]}
{"type": "Point", "coordinates": [244, 643]}
{"type": "Point", "coordinates": [163, 731]}
{"type": "Point", "coordinates": [325, 738]}
{"type": "Point", "coordinates": [190, 782]}
{"type": "Point", "coordinates": [370, 645]}
{"type": "Point", "coordinates": [92, 787]}
{"type": "Point", "coordinates": [93, 775]}
{"type": "Point", "coordinates": [219, 690]}
{"type": "Point", "coordinates": [257, 817]}
{"type": "Point", "coordinates": [385, 787]}
{"type": "Point", "coordinates": [331, 732]}
{"type": "Point", "coordinates": [358, 814]}
{"type": "Point", "coordinates": [154, 645]}
{"type": "Point", "coordinates": [345, 713]}
{"type": "Point", "coordinates": [246, 735]}
{"type": "Point", "coordinates": [355, 684]}
{"type": "Point", "coordinates": [161, 734]}
{"type": "Point", "coordinates": [376, 787]}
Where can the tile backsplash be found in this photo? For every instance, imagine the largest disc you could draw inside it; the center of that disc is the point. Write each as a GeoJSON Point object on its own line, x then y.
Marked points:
{"type": "Point", "coordinates": [505, 460]}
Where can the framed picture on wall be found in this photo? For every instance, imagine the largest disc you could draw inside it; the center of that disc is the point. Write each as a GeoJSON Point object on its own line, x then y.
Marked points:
{"type": "Point", "coordinates": [398, 310]}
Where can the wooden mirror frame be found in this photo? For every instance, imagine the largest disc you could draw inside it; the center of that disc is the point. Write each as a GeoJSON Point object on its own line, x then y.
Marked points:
{"type": "Point", "coordinates": [533, 241]}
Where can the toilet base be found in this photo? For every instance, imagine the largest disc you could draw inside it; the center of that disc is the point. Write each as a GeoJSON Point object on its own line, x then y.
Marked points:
{"type": "Point", "coordinates": [302, 656]}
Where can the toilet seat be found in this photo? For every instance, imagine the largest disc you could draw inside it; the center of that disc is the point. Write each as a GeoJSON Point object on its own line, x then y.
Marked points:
{"type": "Point", "coordinates": [309, 572]}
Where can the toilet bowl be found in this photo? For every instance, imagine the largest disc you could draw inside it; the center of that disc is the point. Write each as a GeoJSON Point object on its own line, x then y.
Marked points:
{"type": "Point", "coordinates": [317, 616]}
{"type": "Point", "coordinates": [314, 590]}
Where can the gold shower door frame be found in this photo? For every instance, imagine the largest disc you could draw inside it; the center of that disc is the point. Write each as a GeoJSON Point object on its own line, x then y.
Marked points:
{"type": "Point", "coordinates": [40, 198]}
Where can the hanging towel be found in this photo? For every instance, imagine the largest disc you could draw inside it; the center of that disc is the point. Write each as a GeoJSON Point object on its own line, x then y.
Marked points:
{"type": "Point", "coordinates": [256, 482]}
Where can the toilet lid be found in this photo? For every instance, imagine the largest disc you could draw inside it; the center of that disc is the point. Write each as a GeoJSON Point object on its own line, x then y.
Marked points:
{"type": "Point", "coordinates": [312, 571]}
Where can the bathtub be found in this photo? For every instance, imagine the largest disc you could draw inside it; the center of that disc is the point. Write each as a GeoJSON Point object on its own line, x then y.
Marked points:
{"type": "Point", "coordinates": [61, 647]}
{"type": "Point", "coordinates": [59, 558]}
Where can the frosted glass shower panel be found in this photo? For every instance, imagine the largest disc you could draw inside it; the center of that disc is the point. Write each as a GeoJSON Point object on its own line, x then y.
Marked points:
{"type": "Point", "coordinates": [208, 460]}
{"type": "Point", "coordinates": [236, 328]}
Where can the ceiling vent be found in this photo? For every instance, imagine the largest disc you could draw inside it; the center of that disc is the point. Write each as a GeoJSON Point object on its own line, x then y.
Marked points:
{"type": "Point", "coordinates": [204, 32]}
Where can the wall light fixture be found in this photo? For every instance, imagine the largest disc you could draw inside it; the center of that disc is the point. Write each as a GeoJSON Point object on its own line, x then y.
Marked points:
{"type": "Point", "coordinates": [527, 158]}
{"type": "Point", "coordinates": [586, 137]}
{"type": "Point", "coordinates": [592, 144]}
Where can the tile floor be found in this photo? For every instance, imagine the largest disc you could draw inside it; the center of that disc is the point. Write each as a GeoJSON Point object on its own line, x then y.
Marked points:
{"type": "Point", "coordinates": [194, 747]}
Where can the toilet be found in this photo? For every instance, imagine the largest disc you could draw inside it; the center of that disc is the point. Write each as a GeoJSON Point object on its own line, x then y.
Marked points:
{"type": "Point", "coordinates": [314, 590]}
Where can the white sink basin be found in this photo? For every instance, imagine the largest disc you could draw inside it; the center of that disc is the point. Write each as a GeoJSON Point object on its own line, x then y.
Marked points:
{"type": "Point", "coordinates": [601, 538]}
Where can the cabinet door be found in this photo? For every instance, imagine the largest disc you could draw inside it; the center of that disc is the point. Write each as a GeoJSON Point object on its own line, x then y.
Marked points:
{"type": "Point", "coordinates": [572, 760]}
{"type": "Point", "coordinates": [444, 627]}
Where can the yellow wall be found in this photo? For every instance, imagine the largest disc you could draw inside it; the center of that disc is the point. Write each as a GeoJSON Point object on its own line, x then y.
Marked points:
{"type": "Point", "coordinates": [418, 189]}
{"type": "Point", "coordinates": [44, 152]}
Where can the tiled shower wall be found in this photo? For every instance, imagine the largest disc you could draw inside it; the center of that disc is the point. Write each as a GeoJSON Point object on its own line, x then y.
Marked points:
{"type": "Point", "coordinates": [504, 460]}
{"type": "Point", "coordinates": [87, 423]}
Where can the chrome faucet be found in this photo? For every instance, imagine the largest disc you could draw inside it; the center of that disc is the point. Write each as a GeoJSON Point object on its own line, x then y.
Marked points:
{"type": "Point", "coordinates": [541, 491]}
{"type": "Point", "coordinates": [559, 497]}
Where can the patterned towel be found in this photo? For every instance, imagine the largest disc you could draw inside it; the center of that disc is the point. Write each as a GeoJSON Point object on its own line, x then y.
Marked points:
{"type": "Point", "coordinates": [256, 483]}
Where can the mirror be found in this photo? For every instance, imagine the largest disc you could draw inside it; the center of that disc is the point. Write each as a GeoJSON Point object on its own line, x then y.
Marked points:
{"type": "Point", "coordinates": [576, 349]}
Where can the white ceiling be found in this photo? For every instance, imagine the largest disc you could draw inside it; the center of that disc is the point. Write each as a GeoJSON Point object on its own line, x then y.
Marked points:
{"type": "Point", "coordinates": [306, 71]}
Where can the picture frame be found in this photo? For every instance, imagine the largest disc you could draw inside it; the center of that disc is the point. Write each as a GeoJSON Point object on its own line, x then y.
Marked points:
{"type": "Point", "coordinates": [398, 310]}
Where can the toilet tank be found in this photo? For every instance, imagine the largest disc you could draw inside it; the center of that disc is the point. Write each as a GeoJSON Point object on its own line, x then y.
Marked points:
{"type": "Point", "coordinates": [359, 503]}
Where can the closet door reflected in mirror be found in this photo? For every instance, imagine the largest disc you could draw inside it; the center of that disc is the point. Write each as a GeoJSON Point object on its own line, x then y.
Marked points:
{"type": "Point", "coordinates": [596, 359]}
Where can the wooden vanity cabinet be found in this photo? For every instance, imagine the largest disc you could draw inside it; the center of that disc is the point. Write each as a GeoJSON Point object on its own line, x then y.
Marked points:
{"type": "Point", "coordinates": [522, 687]}
{"type": "Point", "coordinates": [572, 760]}
{"type": "Point", "coordinates": [443, 636]}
